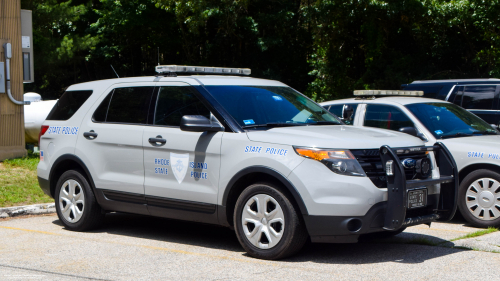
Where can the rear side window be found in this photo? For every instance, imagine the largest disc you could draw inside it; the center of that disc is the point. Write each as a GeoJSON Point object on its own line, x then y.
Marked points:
{"type": "Point", "coordinates": [386, 117]}
{"type": "Point", "coordinates": [101, 112]}
{"type": "Point", "coordinates": [175, 102]}
{"type": "Point", "coordinates": [478, 97]}
{"type": "Point", "coordinates": [68, 104]}
{"type": "Point", "coordinates": [128, 105]}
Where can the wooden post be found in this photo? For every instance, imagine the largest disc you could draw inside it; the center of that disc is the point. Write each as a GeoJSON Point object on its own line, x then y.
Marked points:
{"type": "Point", "coordinates": [11, 115]}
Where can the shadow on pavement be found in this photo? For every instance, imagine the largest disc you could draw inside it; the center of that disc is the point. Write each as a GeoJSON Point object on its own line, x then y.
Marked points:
{"type": "Point", "coordinates": [169, 230]}
{"type": "Point", "coordinates": [216, 237]}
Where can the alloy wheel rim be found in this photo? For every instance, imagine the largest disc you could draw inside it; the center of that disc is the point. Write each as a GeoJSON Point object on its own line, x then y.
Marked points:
{"type": "Point", "coordinates": [263, 221]}
{"type": "Point", "coordinates": [71, 201]}
{"type": "Point", "coordinates": [483, 199]}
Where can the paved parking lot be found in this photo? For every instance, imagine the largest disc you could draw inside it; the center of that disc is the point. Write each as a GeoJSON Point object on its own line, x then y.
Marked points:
{"type": "Point", "coordinates": [133, 247]}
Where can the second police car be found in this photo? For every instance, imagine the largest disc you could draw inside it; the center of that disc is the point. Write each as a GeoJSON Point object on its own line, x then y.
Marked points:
{"type": "Point", "coordinates": [472, 141]}
{"type": "Point", "coordinates": [250, 154]}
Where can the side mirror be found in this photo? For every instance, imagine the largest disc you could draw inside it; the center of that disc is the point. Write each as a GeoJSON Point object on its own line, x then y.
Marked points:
{"type": "Point", "coordinates": [199, 123]}
{"type": "Point", "coordinates": [412, 131]}
{"type": "Point", "coordinates": [347, 112]}
{"type": "Point", "coordinates": [409, 130]}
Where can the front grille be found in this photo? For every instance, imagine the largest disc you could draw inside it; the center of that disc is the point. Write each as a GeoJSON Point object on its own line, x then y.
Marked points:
{"type": "Point", "coordinates": [370, 161]}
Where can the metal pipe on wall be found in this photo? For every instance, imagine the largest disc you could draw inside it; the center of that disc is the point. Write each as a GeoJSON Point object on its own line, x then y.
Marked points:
{"type": "Point", "coordinates": [8, 54]}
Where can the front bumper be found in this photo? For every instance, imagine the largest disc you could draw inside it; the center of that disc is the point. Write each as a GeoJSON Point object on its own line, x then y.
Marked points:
{"type": "Point", "coordinates": [394, 214]}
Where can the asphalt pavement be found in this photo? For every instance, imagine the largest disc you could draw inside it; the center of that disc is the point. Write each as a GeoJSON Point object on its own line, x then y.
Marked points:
{"type": "Point", "coordinates": [131, 247]}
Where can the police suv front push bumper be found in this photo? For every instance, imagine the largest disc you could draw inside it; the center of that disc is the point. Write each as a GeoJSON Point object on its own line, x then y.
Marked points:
{"type": "Point", "coordinates": [396, 212]}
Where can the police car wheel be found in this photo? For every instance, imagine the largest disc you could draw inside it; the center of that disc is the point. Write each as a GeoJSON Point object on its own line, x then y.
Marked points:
{"type": "Point", "coordinates": [479, 198]}
{"type": "Point", "coordinates": [267, 224]}
{"type": "Point", "coordinates": [76, 205]}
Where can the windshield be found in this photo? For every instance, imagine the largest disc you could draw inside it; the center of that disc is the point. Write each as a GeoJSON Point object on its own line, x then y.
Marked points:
{"type": "Point", "coordinates": [263, 106]}
{"type": "Point", "coordinates": [445, 120]}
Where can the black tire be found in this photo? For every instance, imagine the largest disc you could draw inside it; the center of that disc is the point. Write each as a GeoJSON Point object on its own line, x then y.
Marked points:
{"type": "Point", "coordinates": [92, 215]}
{"type": "Point", "coordinates": [462, 200]}
{"type": "Point", "coordinates": [294, 234]}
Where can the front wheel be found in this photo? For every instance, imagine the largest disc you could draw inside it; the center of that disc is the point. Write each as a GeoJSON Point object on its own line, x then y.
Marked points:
{"type": "Point", "coordinates": [76, 205]}
{"type": "Point", "coordinates": [479, 198]}
{"type": "Point", "coordinates": [267, 224]}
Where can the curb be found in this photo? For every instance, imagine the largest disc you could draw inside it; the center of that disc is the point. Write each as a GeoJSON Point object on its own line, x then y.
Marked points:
{"type": "Point", "coordinates": [488, 243]}
{"type": "Point", "coordinates": [37, 209]}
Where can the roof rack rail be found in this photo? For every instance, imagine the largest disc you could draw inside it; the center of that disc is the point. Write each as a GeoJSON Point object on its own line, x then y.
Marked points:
{"type": "Point", "coordinates": [172, 70]}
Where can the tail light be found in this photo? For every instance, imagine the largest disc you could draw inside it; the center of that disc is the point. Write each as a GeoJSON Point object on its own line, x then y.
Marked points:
{"type": "Point", "coordinates": [42, 132]}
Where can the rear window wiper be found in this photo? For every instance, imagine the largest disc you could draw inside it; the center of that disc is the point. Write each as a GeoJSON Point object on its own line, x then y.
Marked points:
{"type": "Point", "coordinates": [272, 125]}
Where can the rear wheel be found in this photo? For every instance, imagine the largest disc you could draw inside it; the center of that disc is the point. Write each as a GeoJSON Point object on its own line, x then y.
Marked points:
{"type": "Point", "coordinates": [76, 205]}
{"type": "Point", "coordinates": [479, 198]}
{"type": "Point", "coordinates": [267, 224]}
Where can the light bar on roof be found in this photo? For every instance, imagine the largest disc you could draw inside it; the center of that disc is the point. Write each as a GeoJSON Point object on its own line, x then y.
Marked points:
{"type": "Point", "coordinates": [388, 93]}
{"type": "Point", "coordinates": [201, 69]}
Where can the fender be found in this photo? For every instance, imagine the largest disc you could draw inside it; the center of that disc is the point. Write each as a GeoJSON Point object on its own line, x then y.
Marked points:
{"type": "Point", "coordinates": [77, 160]}
{"type": "Point", "coordinates": [266, 170]}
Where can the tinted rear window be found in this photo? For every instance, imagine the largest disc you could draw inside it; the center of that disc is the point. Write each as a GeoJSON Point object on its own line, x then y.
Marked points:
{"type": "Point", "coordinates": [129, 105]}
{"type": "Point", "coordinates": [478, 97]}
{"type": "Point", "coordinates": [68, 104]}
{"type": "Point", "coordinates": [102, 110]}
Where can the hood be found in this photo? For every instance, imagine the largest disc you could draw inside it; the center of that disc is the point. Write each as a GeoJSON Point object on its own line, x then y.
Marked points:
{"type": "Point", "coordinates": [336, 136]}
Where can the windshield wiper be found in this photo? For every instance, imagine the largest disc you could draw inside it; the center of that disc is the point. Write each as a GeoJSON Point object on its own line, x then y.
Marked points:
{"type": "Point", "coordinates": [272, 125]}
{"type": "Point", "coordinates": [459, 134]}
{"type": "Point", "coordinates": [485, 132]}
{"type": "Point", "coordinates": [325, 123]}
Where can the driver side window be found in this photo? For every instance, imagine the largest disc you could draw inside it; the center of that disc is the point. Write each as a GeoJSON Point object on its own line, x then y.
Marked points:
{"type": "Point", "coordinates": [386, 117]}
{"type": "Point", "coordinates": [337, 110]}
{"type": "Point", "coordinates": [175, 102]}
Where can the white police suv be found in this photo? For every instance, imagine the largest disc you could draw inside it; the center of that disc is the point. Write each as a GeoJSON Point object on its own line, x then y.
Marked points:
{"type": "Point", "coordinates": [250, 154]}
{"type": "Point", "coordinates": [472, 142]}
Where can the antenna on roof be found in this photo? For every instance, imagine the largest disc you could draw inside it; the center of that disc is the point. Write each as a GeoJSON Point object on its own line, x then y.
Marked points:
{"type": "Point", "coordinates": [114, 70]}
{"type": "Point", "coordinates": [158, 55]}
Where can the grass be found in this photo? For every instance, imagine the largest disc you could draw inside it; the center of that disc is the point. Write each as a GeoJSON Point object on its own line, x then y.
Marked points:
{"type": "Point", "coordinates": [482, 250]}
{"type": "Point", "coordinates": [19, 184]}
{"type": "Point", "coordinates": [476, 233]}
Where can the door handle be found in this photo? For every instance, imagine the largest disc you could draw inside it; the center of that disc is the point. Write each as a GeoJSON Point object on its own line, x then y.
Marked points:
{"type": "Point", "coordinates": [90, 135]}
{"type": "Point", "coordinates": [158, 141]}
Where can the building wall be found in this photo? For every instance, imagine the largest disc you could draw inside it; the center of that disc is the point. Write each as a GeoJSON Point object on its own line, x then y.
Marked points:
{"type": "Point", "coordinates": [12, 115]}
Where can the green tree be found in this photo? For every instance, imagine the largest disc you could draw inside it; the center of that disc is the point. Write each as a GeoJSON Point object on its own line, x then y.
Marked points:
{"type": "Point", "coordinates": [325, 48]}
{"type": "Point", "coordinates": [381, 44]}
{"type": "Point", "coordinates": [271, 37]}
{"type": "Point", "coordinates": [60, 42]}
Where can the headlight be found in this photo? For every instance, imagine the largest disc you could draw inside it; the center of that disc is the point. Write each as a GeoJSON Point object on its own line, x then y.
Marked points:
{"type": "Point", "coordinates": [339, 161]}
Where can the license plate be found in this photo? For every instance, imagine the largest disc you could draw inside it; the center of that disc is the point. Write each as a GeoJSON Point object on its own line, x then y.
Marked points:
{"type": "Point", "coordinates": [417, 198]}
